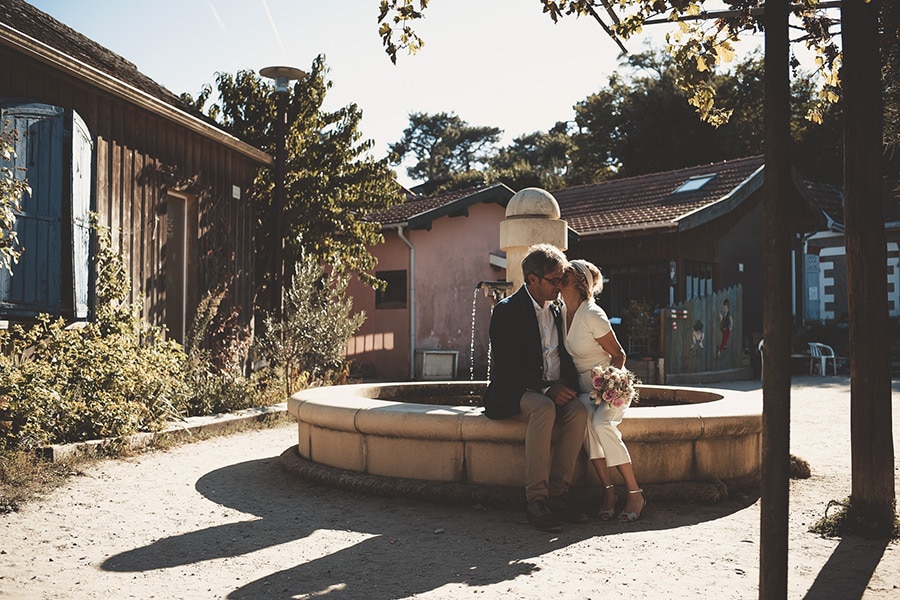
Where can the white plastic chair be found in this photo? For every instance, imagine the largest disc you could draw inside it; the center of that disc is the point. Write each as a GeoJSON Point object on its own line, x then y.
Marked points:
{"type": "Point", "coordinates": [821, 352]}
{"type": "Point", "coordinates": [762, 360]}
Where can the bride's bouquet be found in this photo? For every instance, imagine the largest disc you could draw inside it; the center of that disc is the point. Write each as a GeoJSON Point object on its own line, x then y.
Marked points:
{"type": "Point", "coordinates": [616, 386]}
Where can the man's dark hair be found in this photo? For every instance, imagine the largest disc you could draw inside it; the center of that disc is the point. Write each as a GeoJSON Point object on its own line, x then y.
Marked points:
{"type": "Point", "coordinates": [542, 259]}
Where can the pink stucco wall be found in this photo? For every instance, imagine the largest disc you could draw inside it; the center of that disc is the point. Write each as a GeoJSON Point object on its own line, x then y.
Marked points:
{"type": "Point", "coordinates": [449, 261]}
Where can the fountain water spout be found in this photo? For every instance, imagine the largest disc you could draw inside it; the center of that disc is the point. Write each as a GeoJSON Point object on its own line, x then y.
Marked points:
{"type": "Point", "coordinates": [496, 290]}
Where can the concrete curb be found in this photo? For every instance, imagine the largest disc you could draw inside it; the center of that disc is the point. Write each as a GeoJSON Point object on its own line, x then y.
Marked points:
{"type": "Point", "coordinates": [176, 431]}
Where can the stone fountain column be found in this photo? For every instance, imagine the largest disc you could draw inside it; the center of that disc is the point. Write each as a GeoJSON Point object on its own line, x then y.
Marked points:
{"type": "Point", "coordinates": [532, 217]}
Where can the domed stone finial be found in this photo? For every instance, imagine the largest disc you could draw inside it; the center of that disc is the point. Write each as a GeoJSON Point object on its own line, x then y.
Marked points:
{"type": "Point", "coordinates": [532, 217]}
{"type": "Point", "coordinates": [532, 202]}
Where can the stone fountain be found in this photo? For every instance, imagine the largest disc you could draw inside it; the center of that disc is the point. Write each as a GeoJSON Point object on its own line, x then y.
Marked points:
{"type": "Point", "coordinates": [431, 439]}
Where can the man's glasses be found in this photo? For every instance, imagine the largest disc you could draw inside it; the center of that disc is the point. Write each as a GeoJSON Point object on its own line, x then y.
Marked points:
{"type": "Point", "coordinates": [555, 281]}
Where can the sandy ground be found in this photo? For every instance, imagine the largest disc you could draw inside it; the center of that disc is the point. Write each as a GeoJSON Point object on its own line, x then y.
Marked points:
{"type": "Point", "coordinates": [221, 519]}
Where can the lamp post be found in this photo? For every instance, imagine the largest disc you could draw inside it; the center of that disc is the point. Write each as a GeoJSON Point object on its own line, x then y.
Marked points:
{"type": "Point", "coordinates": [282, 77]}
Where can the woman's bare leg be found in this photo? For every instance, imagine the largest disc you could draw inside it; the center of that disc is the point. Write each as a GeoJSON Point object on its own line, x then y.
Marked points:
{"type": "Point", "coordinates": [608, 503]}
{"type": "Point", "coordinates": [634, 502]}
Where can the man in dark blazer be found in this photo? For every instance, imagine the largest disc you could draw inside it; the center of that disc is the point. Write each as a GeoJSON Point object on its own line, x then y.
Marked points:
{"type": "Point", "coordinates": [533, 379]}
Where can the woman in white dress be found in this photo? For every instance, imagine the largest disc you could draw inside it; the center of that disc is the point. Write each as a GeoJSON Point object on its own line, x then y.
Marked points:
{"type": "Point", "coordinates": [591, 341]}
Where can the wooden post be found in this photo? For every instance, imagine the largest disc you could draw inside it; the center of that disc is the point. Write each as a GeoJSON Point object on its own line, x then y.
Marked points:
{"type": "Point", "coordinates": [773, 549]}
{"type": "Point", "coordinates": [872, 450]}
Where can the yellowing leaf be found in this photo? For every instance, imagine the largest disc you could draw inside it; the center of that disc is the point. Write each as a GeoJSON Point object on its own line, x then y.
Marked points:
{"type": "Point", "coordinates": [725, 52]}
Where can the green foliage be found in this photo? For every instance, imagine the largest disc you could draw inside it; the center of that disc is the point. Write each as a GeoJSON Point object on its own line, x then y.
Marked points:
{"type": "Point", "coordinates": [539, 159]}
{"type": "Point", "coordinates": [215, 366]}
{"type": "Point", "coordinates": [11, 190]}
{"type": "Point", "coordinates": [445, 149]}
{"type": "Point", "coordinates": [309, 343]}
{"type": "Point", "coordinates": [398, 27]}
{"type": "Point", "coordinates": [640, 122]}
{"type": "Point", "coordinates": [331, 179]}
{"type": "Point", "coordinates": [699, 46]}
{"type": "Point", "coordinates": [639, 319]}
{"type": "Point", "coordinates": [115, 376]}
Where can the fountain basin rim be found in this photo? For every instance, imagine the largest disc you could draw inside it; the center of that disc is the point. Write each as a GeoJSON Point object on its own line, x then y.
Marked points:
{"type": "Point", "coordinates": [358, 408]}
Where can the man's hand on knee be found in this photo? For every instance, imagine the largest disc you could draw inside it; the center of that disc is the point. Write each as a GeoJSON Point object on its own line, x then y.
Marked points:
{"type": "Point", "coordinates": [560, 394]}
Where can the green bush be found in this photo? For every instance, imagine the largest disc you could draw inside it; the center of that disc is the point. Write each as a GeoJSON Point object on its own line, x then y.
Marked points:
{"type": "Point", "coordinates": [308, 345]}
{"type": "Point", "coordinates": [217, 349]}
{"type": "Point", "coordinates": [112, 377]}
{"type": "Point", "coordinates": [60, 385]}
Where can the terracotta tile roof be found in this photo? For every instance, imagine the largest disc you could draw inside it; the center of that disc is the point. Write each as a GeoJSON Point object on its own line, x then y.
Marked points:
{"type": "Point", "coordinates": [420, 211]}
{"type": "Point", "coordinates": [830, 198]}
{"type": "Point", "coordinates": [27, 19]}
{"type": "Point", "coordinates": [650, 201]}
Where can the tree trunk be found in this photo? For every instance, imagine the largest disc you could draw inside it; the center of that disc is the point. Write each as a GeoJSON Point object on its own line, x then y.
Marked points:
{"type": "Point", "coordinates": [872, 450]}
{"type": "Point", "coordinates": [773, 550]}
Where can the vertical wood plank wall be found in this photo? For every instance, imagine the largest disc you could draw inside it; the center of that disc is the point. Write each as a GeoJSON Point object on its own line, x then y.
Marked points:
{"type": "Point", "coordinates": [139, 159]}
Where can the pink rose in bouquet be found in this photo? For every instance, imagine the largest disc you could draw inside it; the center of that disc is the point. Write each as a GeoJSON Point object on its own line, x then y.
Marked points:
{"type": "Point", "coordinates": [616, 386]}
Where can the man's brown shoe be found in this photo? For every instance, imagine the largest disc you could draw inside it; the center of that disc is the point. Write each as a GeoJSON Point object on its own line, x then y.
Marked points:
{"type": "Point", "coordinates": [566, 511]}
{"type": "Point", "coordinates": [541, 517]}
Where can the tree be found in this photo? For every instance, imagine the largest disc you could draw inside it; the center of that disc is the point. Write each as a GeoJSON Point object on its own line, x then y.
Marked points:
{"type": "Point", "coordinates": [319, 321]}
{"type": "Point", "coordinates": [539, 159]}
{"type": "Point", "coordinates": [698, 49]}
{"type": "Point", "coordinates": [331, 179]}
{"type": "Point", "coordinates": [448, 152]}
{"type": "Point", "coordinates": [640, 122]}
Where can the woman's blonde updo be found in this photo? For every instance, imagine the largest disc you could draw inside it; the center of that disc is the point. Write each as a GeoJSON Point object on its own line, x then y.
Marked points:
{"type": "Point", "coordinates": [588, 279]}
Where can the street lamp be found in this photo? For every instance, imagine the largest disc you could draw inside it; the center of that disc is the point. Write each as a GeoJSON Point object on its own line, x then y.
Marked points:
{"type": "Point", "coordinates": [282, 77]}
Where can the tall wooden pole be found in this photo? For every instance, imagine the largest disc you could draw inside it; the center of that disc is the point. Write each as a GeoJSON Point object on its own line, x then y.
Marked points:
{"type": "Point", "coordinates": [777, 326]}
{"type": "Point", "coordinates": [872, 449]}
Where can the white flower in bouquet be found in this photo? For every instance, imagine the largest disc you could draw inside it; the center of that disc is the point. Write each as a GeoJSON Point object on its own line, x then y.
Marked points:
{"type": "Point", "coordinates": [616, 386]}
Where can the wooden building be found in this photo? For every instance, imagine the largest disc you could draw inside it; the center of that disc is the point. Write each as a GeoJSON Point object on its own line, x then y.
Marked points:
{"type": "Point", "coordinates": [679, 236]}
{"type": "Point", "coordinates": [97, 135]}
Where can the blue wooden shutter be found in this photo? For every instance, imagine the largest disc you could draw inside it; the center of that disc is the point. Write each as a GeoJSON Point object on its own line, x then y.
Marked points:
{"type": "Point", "coordinates": [81, 177]}
{"type": "Point", "coordinates": [34, 286]}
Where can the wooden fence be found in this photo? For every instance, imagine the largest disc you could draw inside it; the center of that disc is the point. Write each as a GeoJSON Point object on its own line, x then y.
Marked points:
{"type": "Point", "coordinates": [691, 337]}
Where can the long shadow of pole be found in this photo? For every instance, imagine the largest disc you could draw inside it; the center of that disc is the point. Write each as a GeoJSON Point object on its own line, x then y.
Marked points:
{"type": "Point", "coordinates": [847, 573]}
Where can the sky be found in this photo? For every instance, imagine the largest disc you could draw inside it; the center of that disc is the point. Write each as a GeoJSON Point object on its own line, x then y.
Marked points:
{"type": "Point", "coordinates": [499, 63]}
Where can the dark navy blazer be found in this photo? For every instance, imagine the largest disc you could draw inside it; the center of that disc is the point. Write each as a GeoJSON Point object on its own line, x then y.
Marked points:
{"type": "Point", "coordinates": [517, 363]}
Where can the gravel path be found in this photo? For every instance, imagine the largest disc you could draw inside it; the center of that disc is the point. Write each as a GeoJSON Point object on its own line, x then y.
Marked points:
{"type": "Point", "coordinates": [221, 519]}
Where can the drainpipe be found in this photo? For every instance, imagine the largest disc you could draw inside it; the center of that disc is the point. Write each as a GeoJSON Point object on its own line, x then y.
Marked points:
{"type": "Point", "coordinates": [412, 301]}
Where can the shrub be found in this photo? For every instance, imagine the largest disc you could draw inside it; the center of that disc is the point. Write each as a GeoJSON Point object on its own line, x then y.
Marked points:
{"type": "Point", "coordinates": [115, 376]}
{"type": "Point", "coordinates": [309, 344]}
{"type": "Point", "coordinates": [216, 351]}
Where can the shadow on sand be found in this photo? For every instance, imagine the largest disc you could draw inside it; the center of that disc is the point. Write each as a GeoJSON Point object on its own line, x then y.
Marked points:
{"type": "Point", "coordinates": [847, 573]}
{"type": "Point", "coordinates": [476, 546]}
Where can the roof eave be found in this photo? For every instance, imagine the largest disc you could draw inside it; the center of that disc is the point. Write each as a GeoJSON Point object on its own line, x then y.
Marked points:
{"type": "Point", "coordinates": [497, 193]}
{"type": "Point", "coordinates": [629, 230]}
{"type": "Point", "coordinates": [723, 205]}
{"type": "Point", "coordinates": [40, 51]}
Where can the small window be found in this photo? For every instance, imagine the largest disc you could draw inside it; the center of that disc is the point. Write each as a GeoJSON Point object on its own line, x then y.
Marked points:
{"type": "Point", "coordinates": [694, 183]}
{"type": "Point", "coordinates": [394, 295]}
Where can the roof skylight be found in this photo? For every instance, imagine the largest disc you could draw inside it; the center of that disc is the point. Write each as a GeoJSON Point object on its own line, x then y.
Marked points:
{"type": "Point", "coordinates": [694, 183]}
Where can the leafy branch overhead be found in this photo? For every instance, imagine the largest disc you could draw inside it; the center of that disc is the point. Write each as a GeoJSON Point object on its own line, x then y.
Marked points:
{"type": "Point", "coordinates": [703, 40]}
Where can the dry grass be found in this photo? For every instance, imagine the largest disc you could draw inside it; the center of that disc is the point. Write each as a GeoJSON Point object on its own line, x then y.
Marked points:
{"type": "Point", "coordinates": [26, 476]}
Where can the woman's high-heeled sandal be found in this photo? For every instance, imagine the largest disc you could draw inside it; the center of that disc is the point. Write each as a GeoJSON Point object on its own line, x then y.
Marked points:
{"type": "Point", "coordinates": [628, 517]}
{"type": "Point", "coordinates": [608, 515]}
